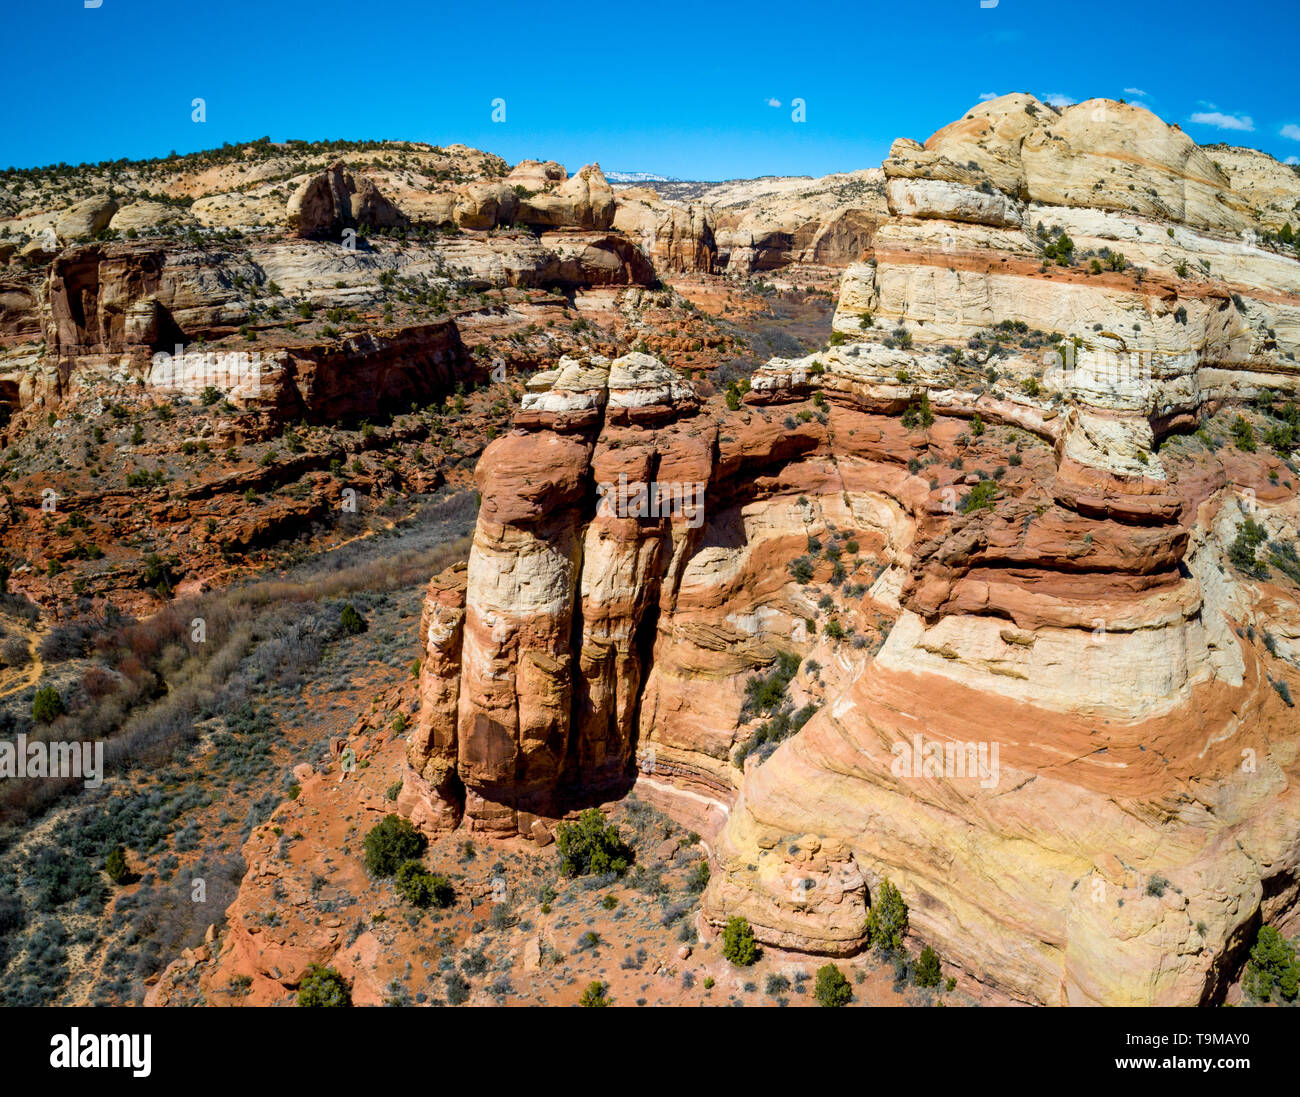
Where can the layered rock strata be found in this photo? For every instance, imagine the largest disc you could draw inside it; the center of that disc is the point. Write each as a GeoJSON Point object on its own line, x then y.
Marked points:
{"type": "Point", "coordinates": [1065, 744]}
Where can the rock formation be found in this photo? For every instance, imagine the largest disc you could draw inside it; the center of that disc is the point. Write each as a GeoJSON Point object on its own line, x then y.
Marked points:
{"type": "Point", "coordinates": [326, 204]}
{"type": "Point", "coordinates": [1060, 738]}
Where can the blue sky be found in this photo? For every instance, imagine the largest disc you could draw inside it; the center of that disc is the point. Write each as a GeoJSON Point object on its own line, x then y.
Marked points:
{"type": "Point", "coordinates": [682, 89]}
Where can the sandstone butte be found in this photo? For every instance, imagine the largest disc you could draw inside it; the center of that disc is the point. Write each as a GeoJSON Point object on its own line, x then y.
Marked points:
{"type": "Point", "coordinates": [1145, 815]}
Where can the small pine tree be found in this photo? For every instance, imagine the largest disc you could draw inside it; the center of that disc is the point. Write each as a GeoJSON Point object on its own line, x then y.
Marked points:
{"type": "Point", "coordinates": [47, 705]}
{"type": "Point", "coordinates": [422, 888]}
{"type": "Point", "coordinates": [1272, 968]}
{"type": "Point", "coordinates": [1243, 434]}
{"type": "Point", "coordinates": [353, 623]}
{"type": "Point", "coordinates": [832, 987]}
{"type": "Point", "coordinates": [927, 968]}
{"type": "Point", "coordinates": [738, 942]}
{"type": "Point", "coordinates": [591, 846]}
{"type": "Point", "coordinates": [115, 865]}
{"type": "Point", "coordinates": [887, 919]}
{"type": "Point", "coordinates": [391, 843]}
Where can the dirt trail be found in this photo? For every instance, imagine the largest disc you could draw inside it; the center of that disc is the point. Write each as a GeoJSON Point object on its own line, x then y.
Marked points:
{"type": "Point", "coordinates": [16, 679]}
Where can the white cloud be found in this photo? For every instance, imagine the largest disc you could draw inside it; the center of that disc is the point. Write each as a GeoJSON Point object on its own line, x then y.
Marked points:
{"type": "Point", "coordinates": [987, 95]}
{"type": "Point", "coordinates": [774, 102]}
{"type": "Point", "coordinates": [1222, 121]}
{"type": "Point", "coordinates": [1135, 91]}
{"type": "Point", "coordinates": [1057, 100]}
{"type": "Point", "coordinates": [1292, 160]}
{"type": "Point", "coordinates": [1292, 131]}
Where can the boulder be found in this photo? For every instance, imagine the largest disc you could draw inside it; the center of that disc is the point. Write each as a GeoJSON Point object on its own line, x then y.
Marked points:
{"type": "Point", "coordinates": [537, 175]}
{"type": "Point", "coordinates": [149, 215]}
{"type": "Point", "coordinates": [85, 218]}
{"type": "Point", "coordinates": [486, 205]}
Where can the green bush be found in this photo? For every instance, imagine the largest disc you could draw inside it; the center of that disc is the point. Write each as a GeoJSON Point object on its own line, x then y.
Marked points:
{"type": "Point", "coordinates": [1272, 967]}
{"type": "Point", "coordinates": [422, 888]}
{"type": "Point", "coordinates": [801, 569]}
{"type": "Point", "coordinates": [919, 413]}
{"type": "Point", "coordinates": [887, 919]}
{"type": "Point", "coordinates": [353, 623]}
{"type": "Point", "coordinates": [391, 843]}
{"type": "Point", "coordinates": [47, 705]}
{"type": "Point", "coordinates": [1242, 552]}
{"type": "Point", "coordinates": [738, 943]}
{"type": "Point", "coordinates": [591, 846]}
{"type": "Point", "coordinates": [983, 494]}
{"type": "Point", "coordinates": [927, 968]}
{"type": "Point", "coordinates": [764, 693]}
{"type": "Point", "coordinates": [115, 865]}
{"type": "Point", "coordinates": [832, 987]}
{"type": "Point", "coordinates": [596, 994]}
{"type": "Point", "coordinates": [323, 986]}
{"type": "Point", "coordinates": [1243, 434]}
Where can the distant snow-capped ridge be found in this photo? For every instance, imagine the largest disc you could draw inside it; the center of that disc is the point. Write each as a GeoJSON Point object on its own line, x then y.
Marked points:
{"type": "Point", "coordinates": [639, 177]}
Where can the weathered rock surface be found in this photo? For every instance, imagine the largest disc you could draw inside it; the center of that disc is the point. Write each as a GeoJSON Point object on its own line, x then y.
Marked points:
{"type": "Point", "coordinates": [584, 201]}
{"type": "Point", "coordinates": [326, 204]}
{"type": "Point", "coordinates": [1100, 806]}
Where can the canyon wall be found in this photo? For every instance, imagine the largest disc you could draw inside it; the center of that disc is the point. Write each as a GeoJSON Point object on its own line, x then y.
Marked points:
{"type": "Point", "coordinates": [1033, 691]}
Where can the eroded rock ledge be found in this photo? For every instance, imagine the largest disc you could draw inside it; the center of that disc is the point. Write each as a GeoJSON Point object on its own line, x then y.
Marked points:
{"type": "Point", "coordinates": [1073, 615]}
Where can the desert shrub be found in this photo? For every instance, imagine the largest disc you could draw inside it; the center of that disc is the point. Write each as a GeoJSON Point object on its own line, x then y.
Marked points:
{"type": "Point", "coordinates": [13, 915]}
{"type": "Point", "coordinates": [801, 569]}
{"type": "Point", "coordinates": [1242, 551]}
{"type": "Point", "coordinates": [596, 995]}
{"type": "Point", "coordinates": [68, 641]}
{"type": "Point", "coordinates": [1283, 691]}
{"type": "Point", "coordinates": [832, 987]}
{"type": "Point", "coordinates": [591, 846]}
{"type": "Point", "coordinates": [391, 843]}
{"type": "Point", "coordinates": [323, 987]}
{"type": "Point", "coordinates": [351, 621]}
{"type": "Point", "coordinates": [983, 494]}
{"type": "Point", "coordinates": [927, 972]}
{"type": "Point", "coordinates": [422, 888]}
{"type": "Point", "coordinates": [47, 705]}
{"type": "Point", "coordinates": [1272, 968]}
{"type": "Point", "coordinates": [763, 693]}
{"type": "Point", "coordinates": [14, 652]}
{"type": "Point", "coordinates": [1243, 434]}
{"type": "Point", "coordinates": [887, 918]}
{"type": "Point", "coordinates": [115, 865]}
{"type": "Point", "coordinates": [457, 988]}
{"type": "Point", "coordinates": [919, 412]}
{"type": "Point", "coordinates": [738, 942]}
